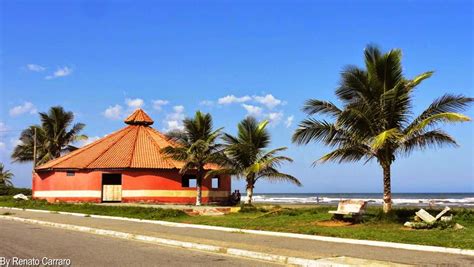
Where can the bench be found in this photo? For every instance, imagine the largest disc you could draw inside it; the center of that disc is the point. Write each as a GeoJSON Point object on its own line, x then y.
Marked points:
{"type": "Point", "coordinates": [354, 208]}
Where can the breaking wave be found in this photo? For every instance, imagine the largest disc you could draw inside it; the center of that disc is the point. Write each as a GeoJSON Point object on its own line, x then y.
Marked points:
{"type": "Point", "coordinates": [462, 200]}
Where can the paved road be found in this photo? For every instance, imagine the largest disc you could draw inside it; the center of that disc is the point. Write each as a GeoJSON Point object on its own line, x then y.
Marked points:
{"type": "Point", "coordinates": [309, 249]}
{"type": "Point", "coordinates": [27, 241]}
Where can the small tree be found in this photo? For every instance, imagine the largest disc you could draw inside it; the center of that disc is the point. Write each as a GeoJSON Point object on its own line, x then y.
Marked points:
{"type": "Point", "coordinates": [248, 158]}
{"type": "Point", "coordinates": [6, 177]}
{"type": "Point", "coordinates": [196, 147]}
{"type": "Point", "coordinates": [375, 120]}
{"type": "Point", "coordinates": [53, 137]}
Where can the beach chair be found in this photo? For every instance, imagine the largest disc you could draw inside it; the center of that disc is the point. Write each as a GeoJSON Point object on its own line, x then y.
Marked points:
{"type": "Point", "coordinates": [354, 208]}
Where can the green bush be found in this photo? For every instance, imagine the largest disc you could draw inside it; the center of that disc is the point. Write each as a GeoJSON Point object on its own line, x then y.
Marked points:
{"type": "Point", "coordinates": [464, 214]}
{"type": "Point", "coordinates": [249, 208]}
{"type": "Point", "coordinates": [93, 209]}
{"type": "Point", "coordinates": [11, 191]}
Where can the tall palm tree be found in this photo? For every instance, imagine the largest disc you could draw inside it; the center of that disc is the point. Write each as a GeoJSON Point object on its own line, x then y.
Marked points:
{"type": "Point", "coordinates": [248, 158]}
{"type": "Point", "coordinates": [54, 136]}
{"type": "Point", "coordinates": [6, 177]}
{"type": "Point", "coordinates": [196, 147]}
{"type": "Point", "coordinates": [375, 120]}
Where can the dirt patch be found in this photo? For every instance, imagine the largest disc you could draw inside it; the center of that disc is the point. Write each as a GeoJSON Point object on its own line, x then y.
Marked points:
{"type": "Point", "coordinates": [332, 223]}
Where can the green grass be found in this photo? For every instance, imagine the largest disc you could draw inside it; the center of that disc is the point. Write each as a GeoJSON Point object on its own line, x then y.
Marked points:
{"type": "Point", "coordinates": [375, 226]}
{"type": "Point", "coordinates": [121, 211]}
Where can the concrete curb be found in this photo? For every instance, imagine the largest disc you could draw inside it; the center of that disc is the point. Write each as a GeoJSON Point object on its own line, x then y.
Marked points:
{"type": "Point", "coordinates": [182, 244]}
{"type": "Point", "coordinates": [384, 244]}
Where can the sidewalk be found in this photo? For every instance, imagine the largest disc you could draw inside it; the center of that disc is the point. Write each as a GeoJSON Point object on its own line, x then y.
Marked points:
{"type": "Point", "coordinates": [292, 247]}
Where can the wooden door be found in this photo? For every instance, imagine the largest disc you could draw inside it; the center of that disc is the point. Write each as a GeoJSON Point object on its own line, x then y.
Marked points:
{"type": "Point", "coordinates": [111, 187]}
{"type": "Point", "coordinates": [111, 192]}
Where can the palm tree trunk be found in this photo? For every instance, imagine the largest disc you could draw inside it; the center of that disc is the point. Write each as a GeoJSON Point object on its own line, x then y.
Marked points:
{"type": "Point", "coordinates": [248, 200]}
{"type": "Point", "coordinates": [387, 191]}
{"type": "Point", "coordinates": [198, 190]}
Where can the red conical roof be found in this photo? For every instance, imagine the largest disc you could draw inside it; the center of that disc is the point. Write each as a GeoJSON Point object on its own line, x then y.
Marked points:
{"type": "Point", "coordinates": [135, 146]}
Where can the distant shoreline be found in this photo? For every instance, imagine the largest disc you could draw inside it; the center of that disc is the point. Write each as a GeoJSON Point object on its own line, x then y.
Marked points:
{"type": "Point", "coordinates": [374, 199]}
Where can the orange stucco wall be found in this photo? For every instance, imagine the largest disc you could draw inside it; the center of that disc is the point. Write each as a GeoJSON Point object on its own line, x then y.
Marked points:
{"type": "Point", "coordinates": [160, 186]}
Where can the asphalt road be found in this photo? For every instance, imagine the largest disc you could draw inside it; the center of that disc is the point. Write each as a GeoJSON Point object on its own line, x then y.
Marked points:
{"type": "Point", "coordinates": [32, 241]}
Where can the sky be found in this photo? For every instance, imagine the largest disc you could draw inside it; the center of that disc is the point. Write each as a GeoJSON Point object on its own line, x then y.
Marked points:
{"type": "Point", "coordinates": [103, 59]}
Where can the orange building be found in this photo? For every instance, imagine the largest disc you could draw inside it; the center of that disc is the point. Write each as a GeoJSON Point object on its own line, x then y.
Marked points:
{"type": "Point", "coordinates": [125, 166]}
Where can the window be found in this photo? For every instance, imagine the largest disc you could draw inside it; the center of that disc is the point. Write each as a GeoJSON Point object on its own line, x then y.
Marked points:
{"type": "Point", "coordinates": [70, 173]}
{"type": "Point", "coordinates": [215, 182]}
{"type": "Point", "coordinates": [188, 181]}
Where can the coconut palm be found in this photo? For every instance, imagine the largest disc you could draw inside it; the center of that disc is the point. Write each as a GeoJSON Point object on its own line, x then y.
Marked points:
{"type": "Point", "coordinates": [196, 147]}
{"type": "Point", "coordinates": [54, 136]}
{"type": "Point", "coordinates": [6, 177]}
{"type": "Point", "coordinates": [375, 120]}
{"type": "Point", "coordinates": [248, 158]}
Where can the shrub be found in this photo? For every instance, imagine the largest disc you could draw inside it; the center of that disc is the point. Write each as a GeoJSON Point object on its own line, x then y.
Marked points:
{"type": "Point", "coordinates": [248, 208]}
{"type": "Point", "coordinates": [11, 191]}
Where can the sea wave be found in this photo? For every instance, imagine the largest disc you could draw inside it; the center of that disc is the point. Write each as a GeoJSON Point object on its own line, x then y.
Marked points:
{"type": "Point", "coordinates": [466, 201]}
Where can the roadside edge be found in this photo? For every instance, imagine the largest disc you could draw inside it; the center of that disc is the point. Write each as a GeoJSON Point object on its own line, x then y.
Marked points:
{"type": "Point", "coordinates": [384, 244]}
{"type": "Point", "coordinates": [323, 262]}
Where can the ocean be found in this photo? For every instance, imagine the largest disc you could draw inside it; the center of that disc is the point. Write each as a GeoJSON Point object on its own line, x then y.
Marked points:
{"type": "Point", "coordinates": [398, 199]}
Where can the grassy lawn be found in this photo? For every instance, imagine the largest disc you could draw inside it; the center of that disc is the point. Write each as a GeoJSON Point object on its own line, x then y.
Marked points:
{"type": "Point", "coordinates": [315, 221]}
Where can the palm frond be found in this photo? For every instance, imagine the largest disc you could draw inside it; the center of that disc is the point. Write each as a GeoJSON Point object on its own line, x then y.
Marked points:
{"type": "Point", "coordinates": [346, 154]}
{"type": "Point", "coordinates": [221, 171]}
{"type": "Point", "coordinates": [418, 79]}
{"type": "Point", "coordinates": [430, 139]}
{"type": "Point", "coordinates": [274, 175]}
{"type": "Point", "coordinates": [391, 135]}
{"type": "Point", "coordinates": [314, 106]}
{"type": "Point", "coordinates": [445, 104]}
{"type": "Point", "coordinates": [446, 117]}
{"type": "Point", "coordinates": [175, 153]}
{"type": "Point", "coordinates": [314, 130]}
{"type": "Point", "coordinates": [354, 85]}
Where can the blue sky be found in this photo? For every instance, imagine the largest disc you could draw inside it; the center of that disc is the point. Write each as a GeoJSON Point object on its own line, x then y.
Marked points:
{"type": "Point", "coordinates": [100, 59]}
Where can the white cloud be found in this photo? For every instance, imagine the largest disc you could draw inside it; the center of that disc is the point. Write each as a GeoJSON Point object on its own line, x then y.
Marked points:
{"type": "Point", "coordinates": [60, 72]}
{"type": "Point", "coordinates": [159, 103]}
{"type": "Point", "coordinates": [253, 110]}
{"type": "Point", "coordinates": [118, 111]}
{"type": "Point", "coordinates": [173, 125]}
{"type": "Point", "coordinates": [289, 121]}
{"type": "Point", "coordinates": [113, 112]}
{"type": "Point", "coordinates": [3, 147]}
{"type": "Point", "coordinates": [274, 117]}
{"type": "Point", "coordinates": [3, 127]}
{"type": "Point", "coordinates": [233, 99]}
{"type": "Point", "coordinates": [134, 103]}
{"type": "Point", "coordinates": [15, 142]}
{"type": "Point", "coordinates": [178, 109]}
{"type": "Point", "coordinates": [26, 107]}
{"type": "Point", "coordinates": [89, 140]}
{"type": "Point", "coordinates": [206, 103]}
{"type": "Point", "coordinates": [268, 100]}
{"type": "Point", "coordinates": [35, 67]}
{"type": "Point", "coordinates": [174, 121]}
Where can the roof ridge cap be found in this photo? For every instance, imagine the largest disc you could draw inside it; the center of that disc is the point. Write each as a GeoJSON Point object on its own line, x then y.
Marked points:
{"type": "Point", "coordinates": [135, 145]}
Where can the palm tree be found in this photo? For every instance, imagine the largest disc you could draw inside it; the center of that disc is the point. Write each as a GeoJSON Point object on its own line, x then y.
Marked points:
{"type": "Point", "coordinates": [375, 121]}
{"type": "Point", "coordinates": [53, 137]}
{"type": "Point", "coordinates": [5, 177]}
{"type": "Point", "coordinates": [196, 148]}
{"type": "Point", "coordinates": [248, 159]}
